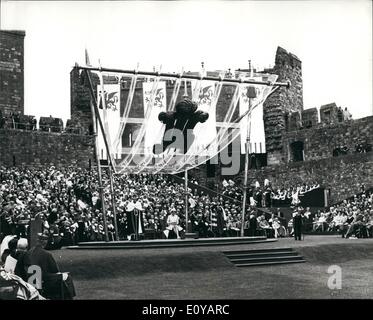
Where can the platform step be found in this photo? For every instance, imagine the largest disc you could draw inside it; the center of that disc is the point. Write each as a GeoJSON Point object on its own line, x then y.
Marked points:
{"type": "Point", "coordinates": [266, 259]}
{"type": "Point", "coordinates": [270, 250]}
{"type": "Point", "coordinates": [261, 257]}
{"type": "Point", "coordinates": [262, 254]}
{"type": "Point", "coordinates": [268, 263]}
{"type": "Point", "coordinates": [154, 244]}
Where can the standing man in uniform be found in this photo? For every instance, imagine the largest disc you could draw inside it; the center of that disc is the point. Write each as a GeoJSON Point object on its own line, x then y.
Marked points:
{"type": "Point", "coordinates": [297, 225]}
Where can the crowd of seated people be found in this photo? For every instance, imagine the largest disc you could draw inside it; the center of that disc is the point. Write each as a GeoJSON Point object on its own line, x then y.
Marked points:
{"type": "Point", "coordinates": [68, 204]}
{"type": "Point", "coordinates": [351, 218]}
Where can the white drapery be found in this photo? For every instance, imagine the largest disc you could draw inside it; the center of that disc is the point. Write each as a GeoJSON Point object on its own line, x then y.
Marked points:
{"type": "Point", "coordinates": [210, 141]}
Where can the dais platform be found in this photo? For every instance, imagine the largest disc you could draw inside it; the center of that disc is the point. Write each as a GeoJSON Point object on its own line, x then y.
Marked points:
{"type": "Point", "coordinates": [174, 243]}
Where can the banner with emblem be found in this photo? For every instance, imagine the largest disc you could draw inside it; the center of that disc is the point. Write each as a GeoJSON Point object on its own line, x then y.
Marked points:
{"type": "Point", "coordinates": [158, 103]}
{"type": "Point", "coordinates": [206, 132]}
{"type": "Point", "coordinates": [251, 95]}
{"type": "Point", "coordinates": [111, 117]}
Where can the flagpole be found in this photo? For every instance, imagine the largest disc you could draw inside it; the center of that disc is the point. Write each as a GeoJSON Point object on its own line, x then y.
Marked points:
{"type": "Point", "coordinates": [246, 172]}
{"type": "Point", "coordinates": [186, 201]}
{"type": "Point", "coordinates": [99, 173]}
{"type": "Point", "coordinates": [96, 119]}
{"type": "Point", "coordinates": [113, 204]}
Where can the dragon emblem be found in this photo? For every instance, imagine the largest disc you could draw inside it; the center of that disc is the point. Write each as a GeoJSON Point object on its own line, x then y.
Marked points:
{"type": "Point", "coordinates": [205, 96]}
{"type": "Point", "coordinates": [111, 100]}
{"type": "Point", "coordinates": [158, 99]}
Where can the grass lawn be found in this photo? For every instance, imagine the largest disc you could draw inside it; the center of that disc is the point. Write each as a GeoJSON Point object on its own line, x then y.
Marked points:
{"type": "Point", "coordinates": [205, 273]}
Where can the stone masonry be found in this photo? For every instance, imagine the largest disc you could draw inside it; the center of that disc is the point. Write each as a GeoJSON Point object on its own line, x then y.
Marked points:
{"type": "Point", "coordinates": [11, 71]}
{"type": "Point", "coordinates": [282, 103]}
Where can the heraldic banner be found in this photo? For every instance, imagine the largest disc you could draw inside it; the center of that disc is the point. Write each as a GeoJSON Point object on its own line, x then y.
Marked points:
{"type": "Point", "coordinates": [110, 118]}
{"type": "Point", "coordinates": [206, 132]}
{"type": "Point", "coordinates": [157, 103]}
{"type": "Point", "coordinates": [254, 123]}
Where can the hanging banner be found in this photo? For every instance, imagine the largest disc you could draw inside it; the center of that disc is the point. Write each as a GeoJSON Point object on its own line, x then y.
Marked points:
{"type": "Point", "coordinates": [206, 132]}
{"type": "Point", "coordinates": [153, 131]}
{"type": "Point", "coordinates": [112, 101]}
{"type": "Point", "coordinates": [250, 96]}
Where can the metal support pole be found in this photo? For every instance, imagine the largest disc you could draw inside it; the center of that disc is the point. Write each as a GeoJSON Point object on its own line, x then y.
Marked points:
{"type": "Point", "coordinates": [246, 172]}
{"type": "Point", "coordinates": [113, 204]}
{"type": "Point", "coordinates": [183, 76]}
{"type": "Point", "coordinates": [99, 173]}
{"type": "Point", "coordinates": [96, 119]}
{"type": "Point", "coordinates": [186, 201]}
{"type": "Point", "coordinates": [245, 188]}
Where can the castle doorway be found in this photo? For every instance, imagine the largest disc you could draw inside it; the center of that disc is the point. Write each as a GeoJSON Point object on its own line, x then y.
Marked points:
{"type": "Point", "coordinates": [297, 151]}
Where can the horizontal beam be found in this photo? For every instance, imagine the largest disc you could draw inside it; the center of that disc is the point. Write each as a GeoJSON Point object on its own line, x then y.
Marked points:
{"type": "Point", "coordinates": [182, 76]}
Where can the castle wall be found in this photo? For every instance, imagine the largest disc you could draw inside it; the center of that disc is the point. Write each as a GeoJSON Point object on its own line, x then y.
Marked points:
{"type": "Point", "coordinates": [343, 175]}
{"type": "Point", "coordinates": [320, 140]}
{"type": "Point", "coordinates": [18, 147]}
{"type": "Point", "coordinates": [282, 103]}
{"type": "Point", "coordinates": [11, 71]}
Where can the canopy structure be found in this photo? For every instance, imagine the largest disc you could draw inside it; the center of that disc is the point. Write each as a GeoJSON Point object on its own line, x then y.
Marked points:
{"type": "Point", "coordinates": [208, 137]}
{"type": "Point", "coordinates": [173, 136]}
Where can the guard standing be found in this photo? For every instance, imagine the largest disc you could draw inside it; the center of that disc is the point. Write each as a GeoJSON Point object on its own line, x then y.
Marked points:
{"type": "Point", "coordinates": [297, 225]}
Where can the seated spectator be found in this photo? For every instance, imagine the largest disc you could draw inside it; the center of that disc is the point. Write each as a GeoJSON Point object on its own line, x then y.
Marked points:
{"type": "Point", "coordinates": [173, 224]}
{"type": "Point", "coordinates": [4, 247]}
{"type": "Point", "coordinates": [275, 224]}
{"type": "Point", "coordinates": [320, 223]}
{"type": "Point", "coordinates": [12, 287]}
{"type": "Point", "coordinates": [17, 247]}
{"type": "Point", "coordinates": [264, 225]}
{"type": "Point", "coordinates": [290, 228]}
{"type": "Point", "coordinates": [357, 224]}
{"type": "Point", "coordinates": [338, 223]}
{"type": "Point", "coordinates": [11, 256]}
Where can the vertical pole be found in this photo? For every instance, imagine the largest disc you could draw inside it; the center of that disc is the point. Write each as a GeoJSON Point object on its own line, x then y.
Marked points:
{"type": "Point", "coordinates": [113, 204]}
{"type": "Point", "coordinates": [97, 152]}
{"type": "Point", "coordinates": [246, 171]}
{"type": "Point", "coordinates": [97, 121]}
{"type": "Point", "coordinates": [186, 201]}
{"type": "Point", "coordinates": [99, 172]}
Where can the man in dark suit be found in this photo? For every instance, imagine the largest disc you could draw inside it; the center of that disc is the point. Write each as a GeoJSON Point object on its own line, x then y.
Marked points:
{"type": "Point", "coordinates": [297, 225]}
{"type": "Point", "coordinates": [54, 283]}
{"type": "Point", "coordinates": [253, 225]}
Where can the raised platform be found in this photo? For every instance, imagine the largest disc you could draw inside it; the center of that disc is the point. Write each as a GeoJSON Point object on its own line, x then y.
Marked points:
{"type": "Point", "coordinates": [174, 243]}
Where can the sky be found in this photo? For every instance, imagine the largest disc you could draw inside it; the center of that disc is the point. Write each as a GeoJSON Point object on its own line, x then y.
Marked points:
{"type": "Point", "coordinates": [332, 38]}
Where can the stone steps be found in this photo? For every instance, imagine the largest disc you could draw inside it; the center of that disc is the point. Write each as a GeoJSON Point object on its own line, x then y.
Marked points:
{"type": "Point", "coordinates": [263, 257]}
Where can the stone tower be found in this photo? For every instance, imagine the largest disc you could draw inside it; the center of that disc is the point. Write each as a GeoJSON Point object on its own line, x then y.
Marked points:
{"type": "Point", "coordinates": [12, 71]}
{"type": "Point", "coordinates": [283, 104]}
